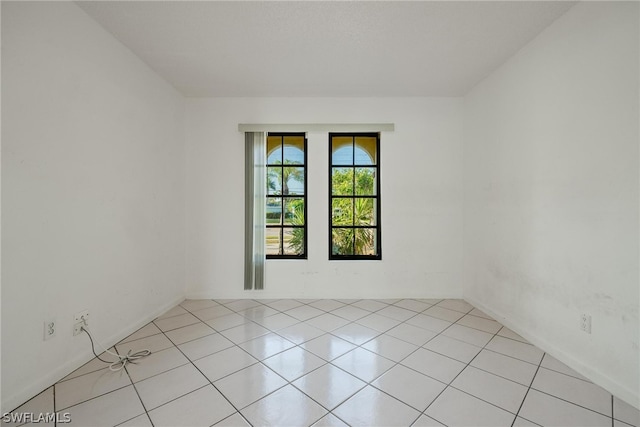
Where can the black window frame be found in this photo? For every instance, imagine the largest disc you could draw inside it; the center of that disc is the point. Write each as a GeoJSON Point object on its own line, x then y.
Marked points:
{"type": "Point", "coordinates": [282, 226]}
{"type": "Point", "coordinates": [377, 196]}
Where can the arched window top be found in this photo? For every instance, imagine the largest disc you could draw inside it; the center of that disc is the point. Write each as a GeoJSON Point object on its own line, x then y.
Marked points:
{"type": "Point", "coordinates": [354, 150]}
{"type": "Point", "coordinates": [285, 149]}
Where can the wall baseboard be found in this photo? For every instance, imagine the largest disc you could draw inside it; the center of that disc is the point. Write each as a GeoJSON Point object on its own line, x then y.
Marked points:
{"type": "Point", "coordinates": [17, 399]}
{"type": "Point", "coordinates": [597, 377]}
{"type": "Point", "coordinates": [242, 294]}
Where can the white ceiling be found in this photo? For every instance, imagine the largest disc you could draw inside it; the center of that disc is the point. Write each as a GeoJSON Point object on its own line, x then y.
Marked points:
{"type": "Point", "coordinates": [333, 48]}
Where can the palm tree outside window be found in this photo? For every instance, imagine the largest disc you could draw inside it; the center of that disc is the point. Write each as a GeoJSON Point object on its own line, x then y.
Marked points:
{"type": "Point", "coordinates": [286, 207]}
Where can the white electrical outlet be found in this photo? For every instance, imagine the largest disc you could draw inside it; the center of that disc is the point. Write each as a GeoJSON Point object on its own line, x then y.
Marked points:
{"type": "Point", "coordinates": [82, 315]}
{"type": "Point", "coordinates": [77, 328]}
{"type": "Point", "coordinates": [585, 323]}
{"type": "Point", "coordinates": [50, 327]}
{"type": "Point", "coordinates": [80, 319]}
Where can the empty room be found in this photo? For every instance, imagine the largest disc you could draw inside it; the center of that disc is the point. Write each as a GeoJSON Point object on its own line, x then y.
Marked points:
{"type": "Point", "coordinates": [329, 213]}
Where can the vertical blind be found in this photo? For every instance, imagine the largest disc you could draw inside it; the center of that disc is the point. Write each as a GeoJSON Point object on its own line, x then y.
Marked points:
{"type": "Point", "coordinates": [255, 187]}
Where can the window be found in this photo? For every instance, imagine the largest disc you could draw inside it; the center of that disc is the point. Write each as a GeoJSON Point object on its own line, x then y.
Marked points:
{"type": "Point", "coordinates": [286, 207]}
{"type": "Point", "coordinates": [354, 201]}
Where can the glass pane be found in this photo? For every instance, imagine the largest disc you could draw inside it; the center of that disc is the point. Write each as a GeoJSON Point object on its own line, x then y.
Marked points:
{"type": "Point", "coordinates": [342, 181]}
{"type": "Point", "coordinates": [366, 150]}
{"type": "Point", "coordinates": [293, 180]}
{"type": "Point", "coordinates": [342, 150]}
{"type": "Point", "coordinates": [342, 241]}
{"type": "Point", "coordinates": [274, 150]}
{"type": "Point", "coordinates": [365, 181]}
{"type": "Point", "coordinates": [272, 237]}
{"type": "Point", "coordinates": [365, 242]}
{"type": "Point", "coordinates": [293, 150]}
{"type": "Point", "coordinates": [274, 180]}
{"type": "Point", "coordinates": [294, 211]}
{"type": "Point", "coordinates": [273, 210]}
{"type": "Point", "coordinates": [342, 212]}
{"type": "Point", "coordinates": [365, 213]}
{"type": "Point", "coordinates": [293, 241]}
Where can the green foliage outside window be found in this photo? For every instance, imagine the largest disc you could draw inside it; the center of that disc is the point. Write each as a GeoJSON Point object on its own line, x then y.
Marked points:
{"type": "Point", "coordinates": [353, 211]}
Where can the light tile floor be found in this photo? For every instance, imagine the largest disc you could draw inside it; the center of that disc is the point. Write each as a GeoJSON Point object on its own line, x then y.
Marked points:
{"type": "Point", "coordinates": [408, 362]}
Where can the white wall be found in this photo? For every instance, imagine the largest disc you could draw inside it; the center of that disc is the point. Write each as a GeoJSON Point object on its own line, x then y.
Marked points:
{"type": "Point", "coordinates": [421, 192]}
{"type": "Point", "coordinates": [92, 191]}
{"type": "Point", "coordinates": [551, 192]}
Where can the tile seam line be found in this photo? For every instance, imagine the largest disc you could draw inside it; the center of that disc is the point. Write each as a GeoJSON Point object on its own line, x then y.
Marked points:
{"type": "Point", "coordinates": [210, 382]}
{"type": "Point", "coordinates": [462, 370]}
{"type": "Point", "coordinates": [136, 390]}
{"type": "Point", "coordinates": [528, 389]}
{"type": "Point", "coordinates": [573, 403]}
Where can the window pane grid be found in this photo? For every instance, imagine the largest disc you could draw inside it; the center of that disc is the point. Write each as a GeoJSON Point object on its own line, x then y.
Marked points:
{"type": "Point", "coordinates": [286, 225]}
{"type": "Point", "coordinates": [354, 196]}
